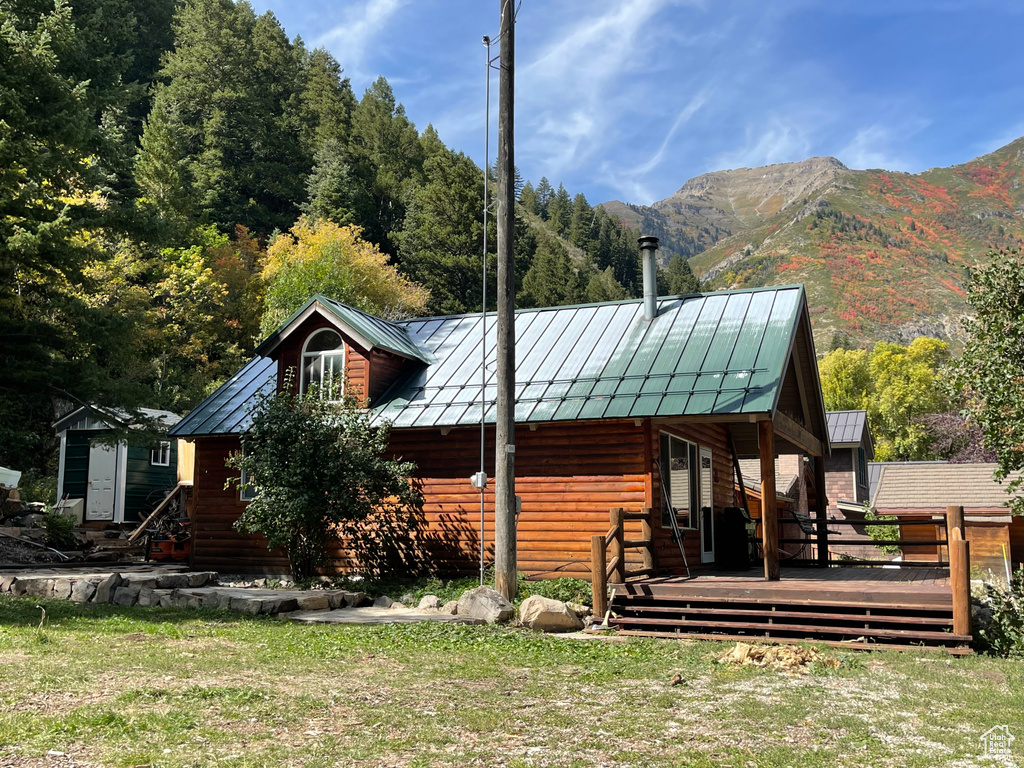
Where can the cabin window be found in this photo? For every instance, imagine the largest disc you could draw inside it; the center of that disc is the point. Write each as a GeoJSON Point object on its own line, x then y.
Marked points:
{"type": "Point", "coordinates": [161, 455]}
{"type": "Point", "coordinates": [323, 363]}
{"type": "Point", "coordinates": [246, 492]}
{"type": "Point", "coordinates": [862, 466]}
{"type": "Point", "coordinates": [680, 467]}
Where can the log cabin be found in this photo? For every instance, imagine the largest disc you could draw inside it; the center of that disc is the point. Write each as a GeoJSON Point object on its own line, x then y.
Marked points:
{"type": "Point", "coordinates": [631, 420]}
{"type": "Point", "coordinates": [611, 399]}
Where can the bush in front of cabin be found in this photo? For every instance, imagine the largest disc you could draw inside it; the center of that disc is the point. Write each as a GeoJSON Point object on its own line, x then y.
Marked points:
{"type": "Point", "coordinates": [319, 475]}
{"type": "Point", "coordinates": [1002, 633]}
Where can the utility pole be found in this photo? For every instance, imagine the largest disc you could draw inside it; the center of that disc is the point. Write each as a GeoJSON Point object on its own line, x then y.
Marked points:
{"type": "Point", "coordinates": [505, 449]}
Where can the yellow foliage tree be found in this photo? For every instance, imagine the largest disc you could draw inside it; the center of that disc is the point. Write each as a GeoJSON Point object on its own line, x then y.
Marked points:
{"type": "Point", "coordinates": [319, 256]}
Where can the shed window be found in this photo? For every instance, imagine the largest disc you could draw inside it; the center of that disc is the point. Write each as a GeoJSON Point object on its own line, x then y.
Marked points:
{"type": "Point", "coordinates": [681, 470]}
{"type": "Point", "coordinates": [323, 363]}
{"type": "Point", "coordinates": [246, 491]}
{"type": "Point", "coordinates": [161, 455]}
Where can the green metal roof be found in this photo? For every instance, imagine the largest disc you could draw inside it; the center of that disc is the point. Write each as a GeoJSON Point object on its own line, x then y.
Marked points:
{"type": "Point", "coordinates": [363, 327]}
{"type": "Point", "coordinates": [715, 353]}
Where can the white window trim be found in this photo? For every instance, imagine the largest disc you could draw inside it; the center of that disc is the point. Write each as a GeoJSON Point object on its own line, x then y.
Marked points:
{"type": "Point", "coordinates": [694, 511]}
{"type": "Point", "coordinates": [161, 455]}
{"type": "Point", "coordinates": [340, 352]}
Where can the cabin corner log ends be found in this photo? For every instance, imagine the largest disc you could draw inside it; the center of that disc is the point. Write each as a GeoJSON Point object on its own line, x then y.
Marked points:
{"type": "Point", "coordinates": [605, 569]}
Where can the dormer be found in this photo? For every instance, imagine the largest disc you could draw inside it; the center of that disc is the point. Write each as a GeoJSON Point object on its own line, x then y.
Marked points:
{"type": "Point", "coordinates": [324, 339]}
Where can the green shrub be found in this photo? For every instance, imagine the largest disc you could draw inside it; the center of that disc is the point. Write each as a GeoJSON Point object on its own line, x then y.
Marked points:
{"type": "Point", "coordinates": [883, 533]}
{"type": "Point", "coordinates": [566, 590]}
{"type": "Point", "coordinates": [60, 531]}
{"type": "Point", "coordinates": [1003, 634]}
{"type": "Point", "coordinates": [34, 486]}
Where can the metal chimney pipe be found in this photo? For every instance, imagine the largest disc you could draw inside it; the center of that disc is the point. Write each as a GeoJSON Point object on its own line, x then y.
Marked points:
{"type": "Point", "coordinates": [649, 254]}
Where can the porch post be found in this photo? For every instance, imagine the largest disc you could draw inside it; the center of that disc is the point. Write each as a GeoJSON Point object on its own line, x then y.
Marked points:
{"type": "Point", "coordinates": [769, 502]}
{"type": "Point", "coordinates": [821, 511]}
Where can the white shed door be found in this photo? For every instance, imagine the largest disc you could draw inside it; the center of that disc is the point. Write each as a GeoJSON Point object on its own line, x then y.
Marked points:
{"type": "Point", "coordinates": [99, 501]}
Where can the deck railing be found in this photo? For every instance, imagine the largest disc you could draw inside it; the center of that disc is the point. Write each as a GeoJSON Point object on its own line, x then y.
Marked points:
{"type": "Point", "coordinates": [830, 540]}
{"type": "Point", "coordinates": [608, 555]}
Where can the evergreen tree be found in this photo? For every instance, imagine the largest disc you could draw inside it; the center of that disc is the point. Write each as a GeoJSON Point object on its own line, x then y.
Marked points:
{"type": "Point", "coordinates": [331, 189]}
{"type": "Point", "coordinates": [677, 279]}
{"type": "Point", "coordinates": [325, 101]}
{"type": "Point", "coordinates": [560, 211]}
{"type": "Point", "coordinates": [581, 225]}
{"type": "Point", "coordinates": [528, 198]}
{"type": "Point", "coordinates": [387, 161]}
{"type": "Point", "coordinates": [603, 286]}
{"type": "Point", "coordinates": [552, 279]}
{"type": "Point", "coordinates": [441, 243]}
{"type": "Point", "coordinates": [544, 195]}
{"type": "Point", "coordinates": [225, 106]}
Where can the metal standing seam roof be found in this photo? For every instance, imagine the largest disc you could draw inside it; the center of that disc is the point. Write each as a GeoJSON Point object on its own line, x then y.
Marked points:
{"type": "Point", "coordinates": [227, 410]}
{"type": "Point", "coordinates": [715, 353]}
{"type": "Point", "coordinates": [846, 427]}
{"type": "Point", "coordinates": [378, 332]}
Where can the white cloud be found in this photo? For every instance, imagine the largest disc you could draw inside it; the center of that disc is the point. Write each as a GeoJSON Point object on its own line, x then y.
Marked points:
{"type": "Point", "coordinates": [779, 140]}
{"type": "Point", "coordinates": [869, 149]}
{"type": "Point", "coordinates": [360, 25]}
{"type": "Point", "coordinates": [570, 89]}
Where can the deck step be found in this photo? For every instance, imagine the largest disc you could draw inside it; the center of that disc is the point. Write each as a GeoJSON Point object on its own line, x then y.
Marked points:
{"type": "Point", "coordinates": [762, 627]}
{"type": "Point", "coordinates": [918, 601]}
{"type": "Point", "coordinates": [952, 650]}
{"type": "Point", "coordinates": [862, 618]}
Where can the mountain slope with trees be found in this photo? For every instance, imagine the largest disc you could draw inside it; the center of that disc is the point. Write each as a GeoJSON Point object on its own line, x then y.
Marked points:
{"type": "Point", "coordinates": [884, 255]}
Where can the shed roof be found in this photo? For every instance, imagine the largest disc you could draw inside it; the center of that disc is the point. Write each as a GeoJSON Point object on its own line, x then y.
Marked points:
{"type": "Point", "coordinates": [936, 485]}
{"type": "Point", "coordinates": [102, 416]}
{"type": "Point", "coordinates": [723, 353]}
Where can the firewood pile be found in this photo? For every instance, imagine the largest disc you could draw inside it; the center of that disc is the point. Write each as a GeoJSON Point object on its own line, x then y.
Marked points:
{"type": "Point", "coordinates": [778, 658]}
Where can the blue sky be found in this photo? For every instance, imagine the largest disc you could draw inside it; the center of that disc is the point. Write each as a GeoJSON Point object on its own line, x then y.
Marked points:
{"type": "Point", "coordinates": [627, 100]}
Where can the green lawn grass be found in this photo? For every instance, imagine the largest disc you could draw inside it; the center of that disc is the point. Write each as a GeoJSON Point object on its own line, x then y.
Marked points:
{"type": "Point", "coordinates": [167, 687]}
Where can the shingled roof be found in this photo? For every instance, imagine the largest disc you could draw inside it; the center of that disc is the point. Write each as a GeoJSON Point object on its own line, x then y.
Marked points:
{"type": "Point", "coordinates": [932, 486]}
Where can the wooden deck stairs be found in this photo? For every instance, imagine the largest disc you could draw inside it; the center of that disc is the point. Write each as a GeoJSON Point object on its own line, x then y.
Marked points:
{"type": "Point", "coordinates": [861, 611]}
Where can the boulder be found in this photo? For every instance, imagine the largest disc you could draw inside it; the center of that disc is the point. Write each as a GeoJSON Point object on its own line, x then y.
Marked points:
{"type": "Point", "coordinates": [105, 589]}
{"type": "Point", "coordinates": [250, 605]}
{"type": "Point", "coordinates": [126, 595]}
{"type": "Point", "coordinates": [398, 607]}
{"type": "Point", "coordinates": [39, 587]}
{"type": "Point", "coordinates": [383, 602]}
{"type": "Point", "coordinates": [355, 599]}
{"type": "Point", "coordinates": [430, 603]}
{"type": "Point", "coordinates": [201, 578]}
{"type": "Point", "coordinates": [148, 597]}
{"type": "Point", "coordinates": [336, 599]}
{"type": "Point", "coordinates": [62, 589]}
{"type": "Point", "coordinates": [547, 615]}
{"type": "Point", "coordinates": [487, 604]}
{"type": "Point", "coordinates": [172, 581]}
{"type": "Point", "coordinates": [6, 582]}
{"type": "Point", "coordinates": [580, 609]}
{"type": "Point", "coordinates": [82, 591]}
{"type": "Point", "coordinates": [408, 599]}
{"type": "Point", "coordinates": [451, 608]}
{"type": "Point", "coordinates": [313, 602]}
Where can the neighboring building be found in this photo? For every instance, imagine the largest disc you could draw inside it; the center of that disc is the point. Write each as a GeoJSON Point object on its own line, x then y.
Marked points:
{"type": "Point", "coordinates": [846, 469]}
{"type": "Point", "coordinates": [916, 490]}
{"type": "Point", "coordinates": [609, 398]}
{"type": "Point", "coordinates": [118, 482]}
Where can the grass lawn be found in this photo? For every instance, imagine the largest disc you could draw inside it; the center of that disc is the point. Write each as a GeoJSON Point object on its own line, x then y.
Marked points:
{"type": "Point", "coordinates": [166, 687]}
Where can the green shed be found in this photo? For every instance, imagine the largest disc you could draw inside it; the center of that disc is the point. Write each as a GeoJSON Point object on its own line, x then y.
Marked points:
{"type": "Point", "coordinates": [119, 481]}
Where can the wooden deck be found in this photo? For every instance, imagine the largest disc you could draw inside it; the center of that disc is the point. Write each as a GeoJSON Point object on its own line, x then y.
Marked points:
{"type": "Point", "coordinates": [853, 607]}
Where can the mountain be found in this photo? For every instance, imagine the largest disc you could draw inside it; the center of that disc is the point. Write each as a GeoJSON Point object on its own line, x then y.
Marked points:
{"type": "Point", "coordinates": [884, 255]}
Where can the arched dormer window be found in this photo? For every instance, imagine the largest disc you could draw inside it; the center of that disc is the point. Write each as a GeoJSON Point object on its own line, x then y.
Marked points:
{"type": "Point", "coordinates": [323, 361]}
